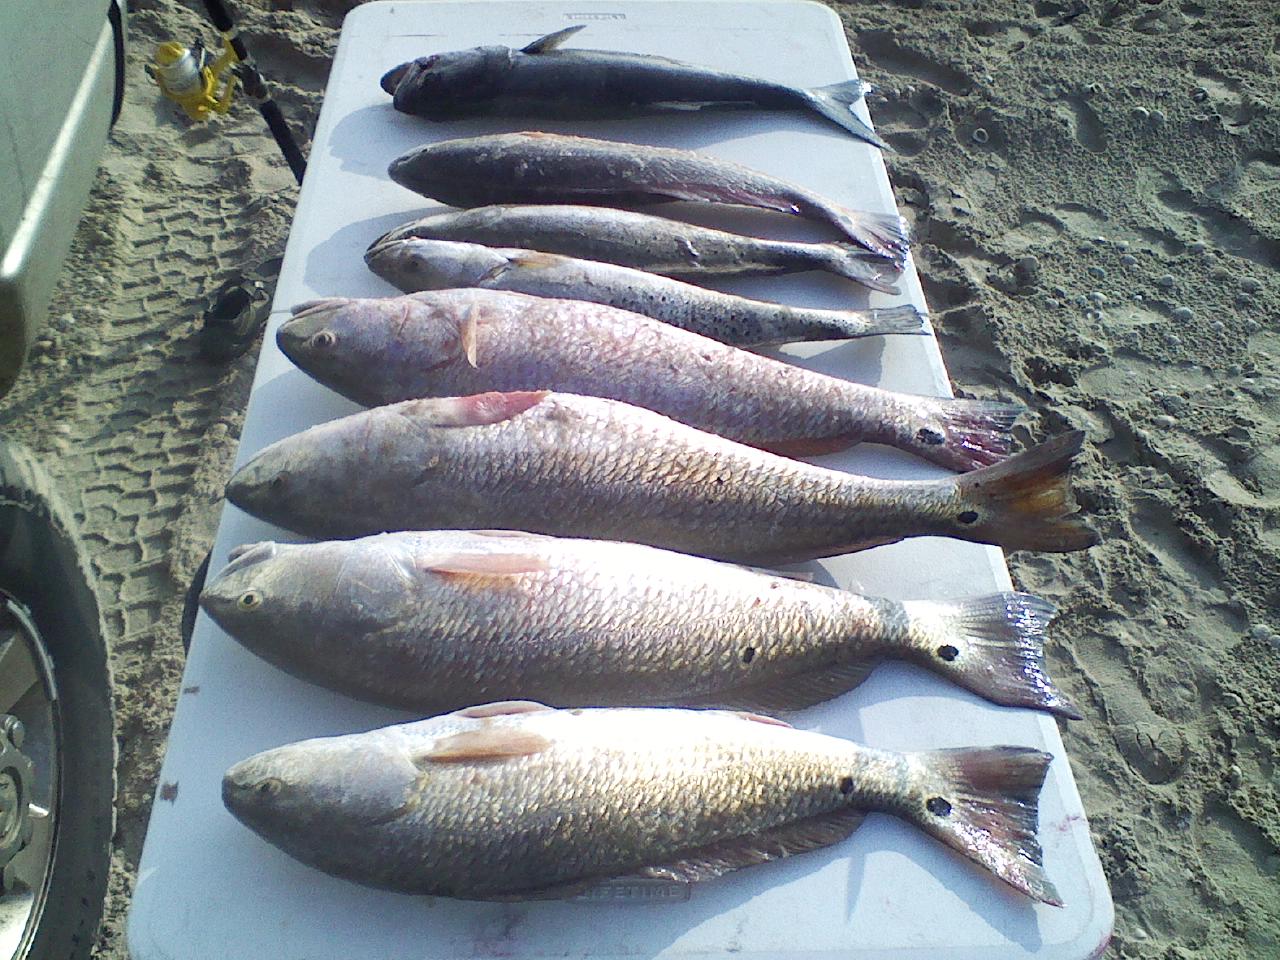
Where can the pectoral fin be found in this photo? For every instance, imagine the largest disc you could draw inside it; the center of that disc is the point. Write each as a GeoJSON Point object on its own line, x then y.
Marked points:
{"type": "Point", "coordinates": [482, 563]}
{"type": "Point", "coordinates": [552, 40]}
{"type": "Point", "coordinates": [536, 260]}
{"type": "Point", "coordinates": [485, 744]}
{"type": "Point", "coordinates": [467, 338]}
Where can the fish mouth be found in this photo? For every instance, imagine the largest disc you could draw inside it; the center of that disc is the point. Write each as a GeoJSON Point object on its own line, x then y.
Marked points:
{"type": "Point", "coordinates": [391, 236]}
{"type": "Point", "coordinates": [382, 246]}
{"type": "Point", "coordinates": [310, 308]}
{"type": "Point", "coordinates": [391, 79]}
{"type": "Point", "coordinates": [244, 488]}
{"type": "Point", "coordinates": [247, 554]}
{"type": "Point", "coordinates": [223, 591]}
{"type": "Point", "coordinates": [248, 787]}
{"type": "Point", "coordinates": [293, 334]}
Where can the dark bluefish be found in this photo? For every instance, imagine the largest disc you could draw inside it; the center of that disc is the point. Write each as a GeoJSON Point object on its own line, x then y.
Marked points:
{"type": "Point", "coordinates": [515, 801]}
{"type": "Point", "coordinates": [414, 265]}
{"type": "Point", "coordinates": [582, 466]}
{"type": "Point", "coordinates": [541, 79]}
{"type": "Point", "coordinates": [451, 343]}
{"type": "Point", "coordinates": [628, 238]}
{"type": "Point", "coordinates": [550, 168]}
{"type": "Point", "coordinates": [438, 620]}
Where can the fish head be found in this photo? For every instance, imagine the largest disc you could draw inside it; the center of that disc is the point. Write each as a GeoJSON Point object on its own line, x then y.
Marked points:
{"type": "Point", "coordinates": [327, 802]}
{"type": "Point", "coordinates": [416, 264]}
{"type": "Point", "coordinates": [301, 482]}
{"type": "Point", "coordinates": [379, 351]}
{"type": "Point", "coordinates": [443, 83]}
{"type": "Point", "coordinates": [362, 348]}
{"type": "Point", "coordinates": [291, 603]}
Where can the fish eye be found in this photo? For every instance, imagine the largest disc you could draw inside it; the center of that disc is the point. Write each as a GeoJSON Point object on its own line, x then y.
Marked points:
{"type": "Point", "coordinates": [268, 787]}
{"type": "Point", "coordinates": [249, 600]}
{"type": "Point", "coordinates": [278, 481]}
{"type": "Point", "coordinates": [324, 340]}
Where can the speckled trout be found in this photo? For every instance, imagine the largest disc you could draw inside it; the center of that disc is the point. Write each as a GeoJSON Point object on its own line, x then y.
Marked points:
{"type": "Point", "coordinates": [438, 620]}
{"type": "Point", "coordinates": [628, 238]}
{"type": "Point", "coordinates": [568, 465]}
{"type": "Point", "coordinates": [511, 801]}
{"type": "Point", "coordinates": [541, 79]}
{"type": "Point", "coordinates": [551, 168]}
{"type": "Point", "coordinates": [414, 265]}
{"type": "Point", "coordinates": [451, 343]}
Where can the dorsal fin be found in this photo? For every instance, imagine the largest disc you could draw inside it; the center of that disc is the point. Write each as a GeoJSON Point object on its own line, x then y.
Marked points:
{"type": "Point", "coordinates": [502, 708]}
{"type": "Point", "coordinates": [704, 863]}
{"type": "Point", "coordinates": [552, 40]}
{"type": "Point", "coordinates": [484, 744]}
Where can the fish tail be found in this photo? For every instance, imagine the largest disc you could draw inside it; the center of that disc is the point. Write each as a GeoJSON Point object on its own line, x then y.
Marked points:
{"type": "Point", "coordinates": [983, 803]}
{"type": "Point", "coordinates": [1025, 502]}
{"type": "Point", "coordinates": [959, 434]}
{"type": "Point", "coordinates": [845, 260]}
{"type": "Point", "coordinates": [835, 102]}
{"type": "Point", "coordinates": [886, 235]}
{"type": "Point", "coordinates": [885, 321]}
{"type": "Point", "coordinates": [992, 645]}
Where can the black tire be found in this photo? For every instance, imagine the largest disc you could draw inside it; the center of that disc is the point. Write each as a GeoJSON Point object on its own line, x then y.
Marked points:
{"type": "Point", "coordinates": [191, 602]}
{"type": "Point", "coordinates": [43, 569]}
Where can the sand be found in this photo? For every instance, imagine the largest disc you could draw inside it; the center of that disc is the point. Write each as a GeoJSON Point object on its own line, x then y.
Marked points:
{"type": "Point", "coordinates": [1095, 189]}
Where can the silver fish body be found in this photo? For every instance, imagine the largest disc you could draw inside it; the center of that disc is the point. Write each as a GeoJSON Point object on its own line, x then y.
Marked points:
{"type": "Point", "coordinates": [532, 167]}
{"type": "Point", "coordinates": [569, 465]}
{"type": "Point", "coordinates": [438, 620]}
{"type": "Point", "coordinates": [519, 801]}
{"type": "Point", "coordinates": [629, 238]}
{"type": "Point", "coordinates": [414, 265]}
{"type": "Point", "coordinates": [543, 80]}
{"type": "Point", "coordinates": [462, 342]}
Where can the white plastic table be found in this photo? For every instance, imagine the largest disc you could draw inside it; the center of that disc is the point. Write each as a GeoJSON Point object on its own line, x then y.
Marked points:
{"type": "Point", "coordinates": [209, 888]}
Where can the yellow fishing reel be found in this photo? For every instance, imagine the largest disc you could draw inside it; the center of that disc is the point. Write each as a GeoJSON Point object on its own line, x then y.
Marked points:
{"type": "Point", "coordinates": [194, 81]}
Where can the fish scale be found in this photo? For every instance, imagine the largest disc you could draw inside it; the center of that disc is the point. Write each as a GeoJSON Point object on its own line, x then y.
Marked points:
{"type": "Point", "coordinates": [631, 239]}
{"type": "Point", "coordinates": [518, 800]}
{"type": "Point", "coordinates": [533, 167]}
{"type": "Point", "coordinates": [415, 265]}
{"type": "Point", "coordinates": [385, 350]}
{"type": "Point", "coordinates": [585, 466]}
{"type": "Point", "coordinates": [435, 620]}
{"type": "Point", "coordinates": [542, 79]}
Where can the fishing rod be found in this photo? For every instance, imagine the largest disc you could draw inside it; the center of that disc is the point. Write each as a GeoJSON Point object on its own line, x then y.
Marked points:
{"type": "Point", "coordinates": [194, 80]}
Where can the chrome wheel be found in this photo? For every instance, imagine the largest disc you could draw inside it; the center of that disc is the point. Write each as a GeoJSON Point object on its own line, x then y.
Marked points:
{"type": "Point", "coordinates": [29, 777]}
{"type": "Point", "coordinates": [57, 729]}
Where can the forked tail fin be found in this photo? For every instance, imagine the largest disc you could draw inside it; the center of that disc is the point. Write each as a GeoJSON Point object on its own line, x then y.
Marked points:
{"type": "Point", "coordinates": [882, 321]}
{"type": "Point", "coordinates": [992, 645]}
{"type": "Point", "coordinates": [957, 433]}
{"type": "Point", "coordinates": [835, 102]}
{"type": "Point", "coordinates": [850, 262]}
{"type": "Point", "coordinates": [884, 234]}
{"type": "Point", "coordinates": [983, 803]}
{"type": "Point", "coordinates": [1025, 502]}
